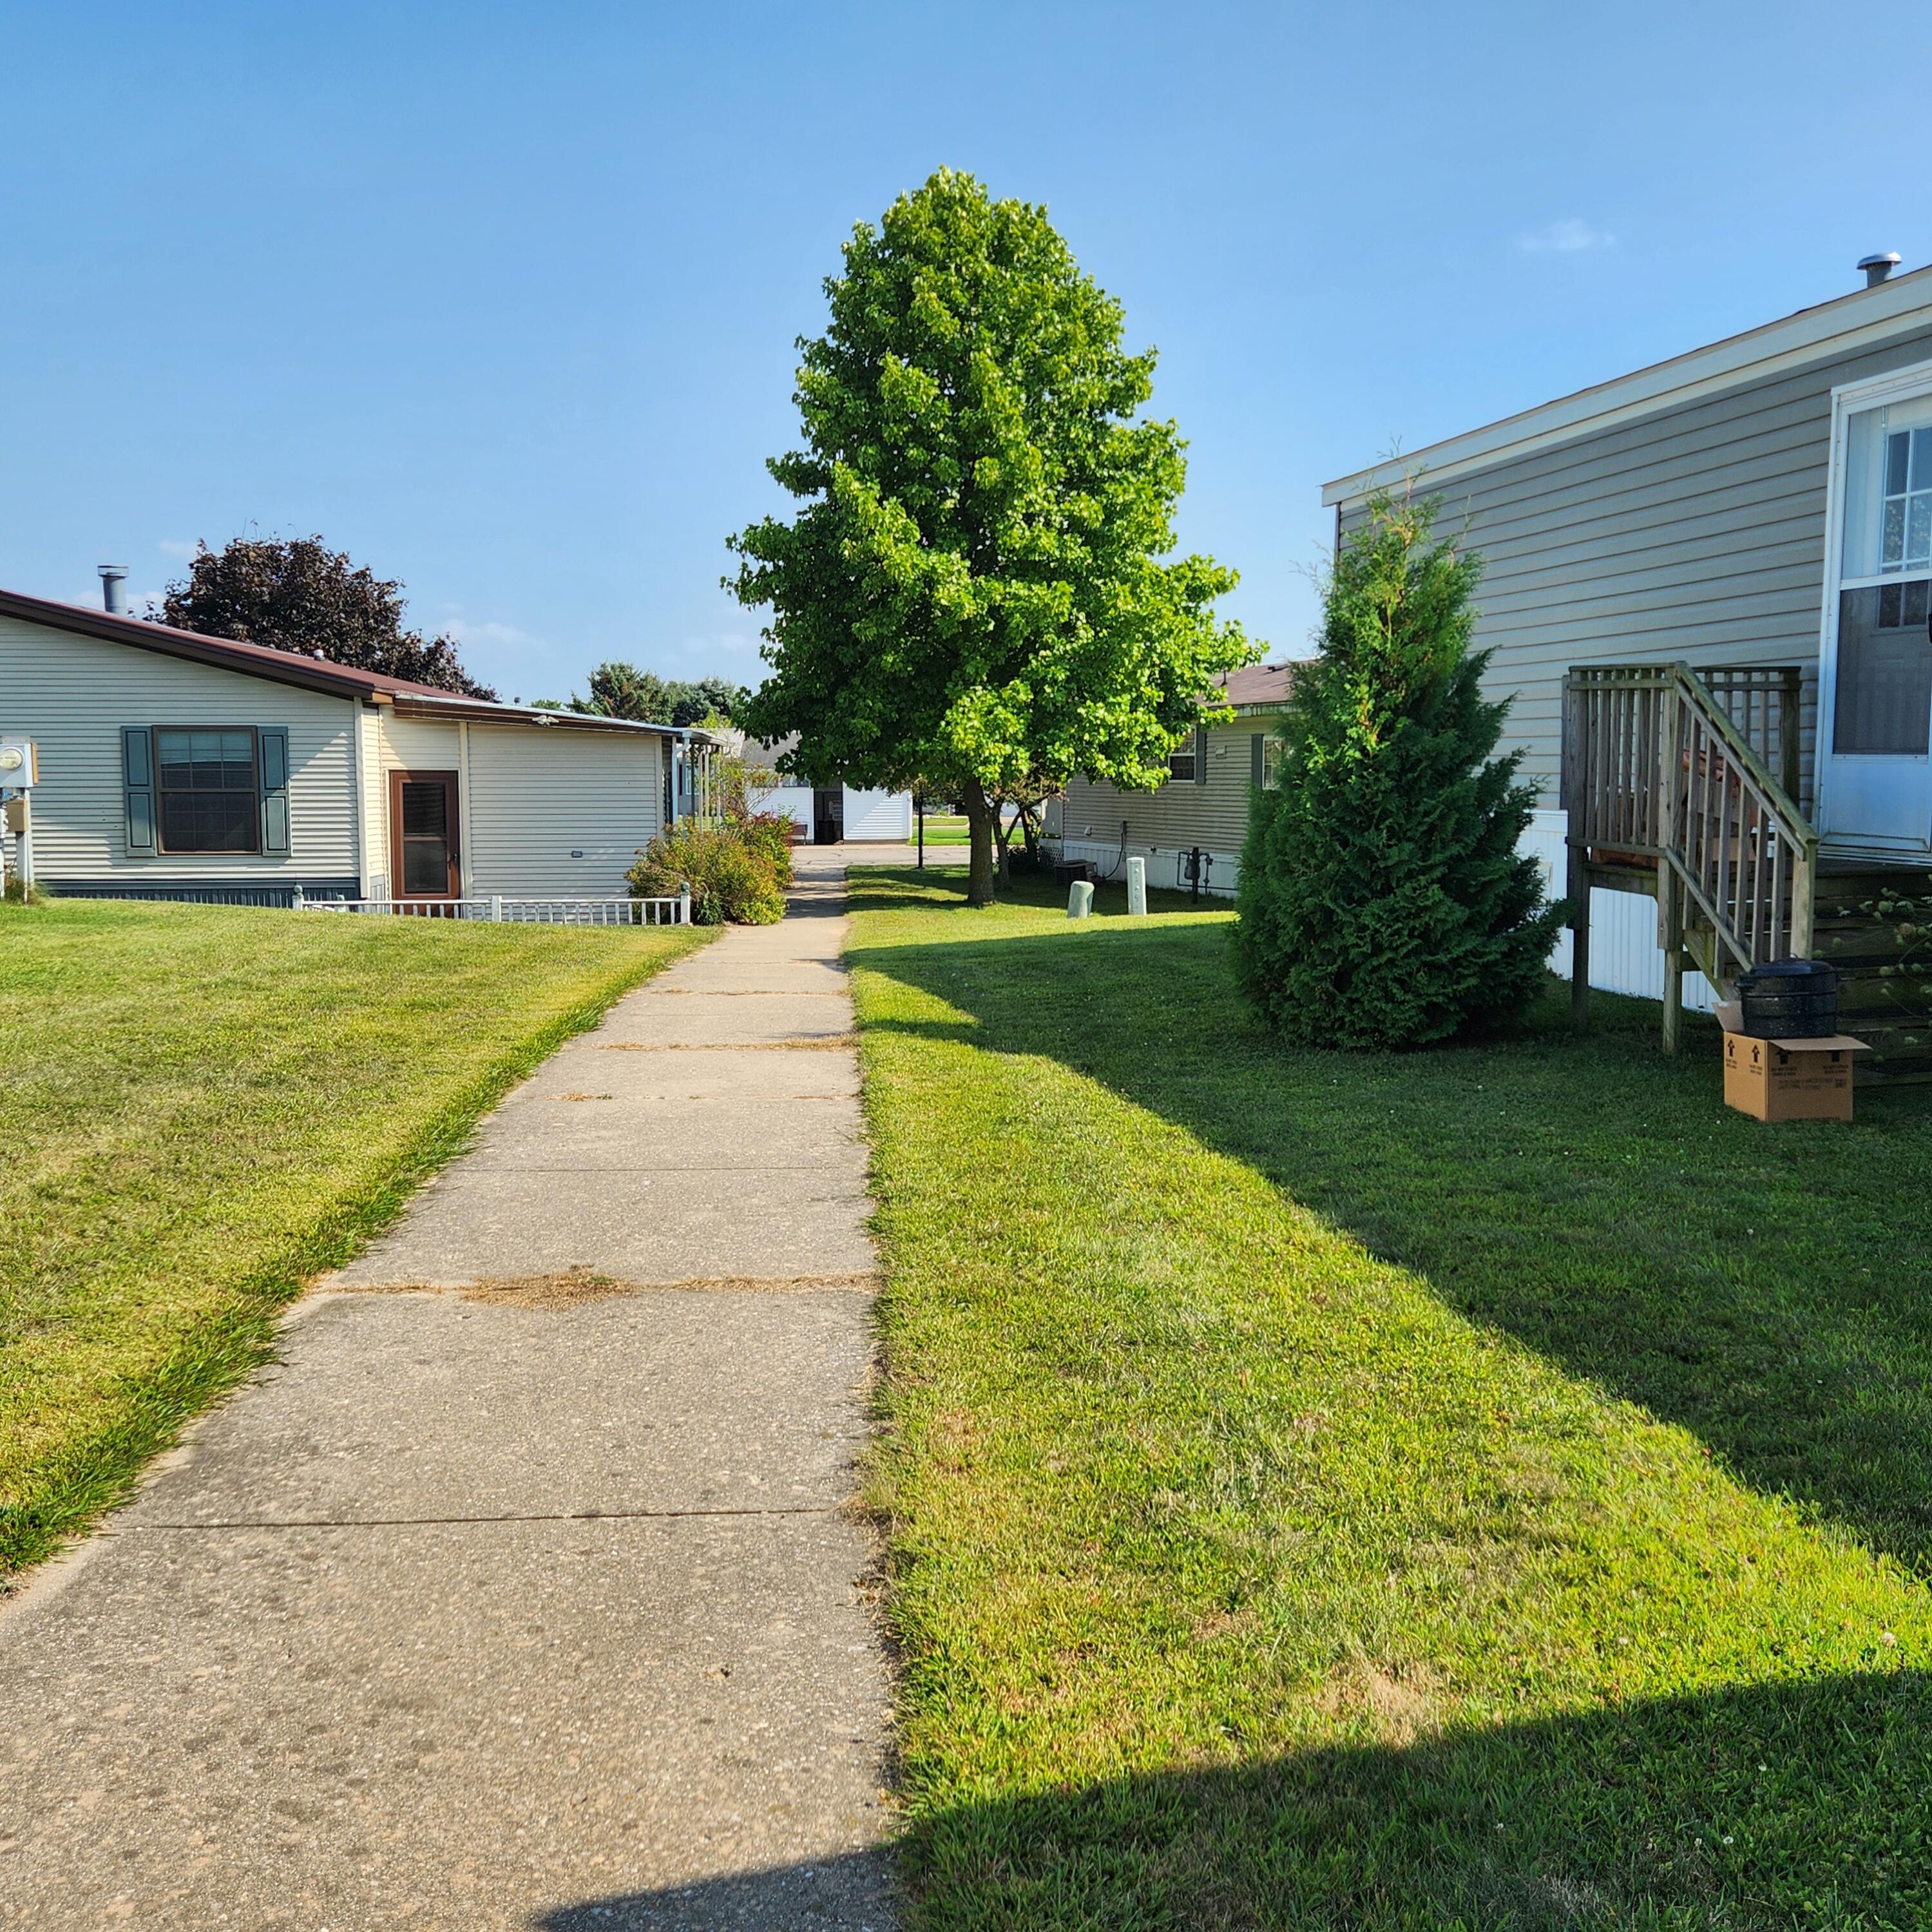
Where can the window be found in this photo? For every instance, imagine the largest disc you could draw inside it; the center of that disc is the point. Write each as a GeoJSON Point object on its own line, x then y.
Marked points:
{"type": "Point", "coordinates": [1271, 762]}
{"type": "Point", "coordinates": [1883, 703]}
{"type": "Point", "coordinates": [1905, 520]}
{"type": "Point", "coordinates": [1180, 761]}
{"type": "Point", "coordinates": [210, 798]}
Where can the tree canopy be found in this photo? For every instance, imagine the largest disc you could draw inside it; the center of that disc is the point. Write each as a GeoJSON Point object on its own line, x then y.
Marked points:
{"type": "Point", "coordinates": [620, 690]}
{"type": "Point", "coordinates": [973, 592]}
{"type": "Point", "coordinates": [298, 594]}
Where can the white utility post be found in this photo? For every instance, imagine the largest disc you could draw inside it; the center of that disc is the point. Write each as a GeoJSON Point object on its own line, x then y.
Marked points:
{"type": "Point", "coordinates": [1137, 888]}
{"type": "Point", "coordinates": [20, 772]}
{"type": "Point", "coordinates": [1080, 899]}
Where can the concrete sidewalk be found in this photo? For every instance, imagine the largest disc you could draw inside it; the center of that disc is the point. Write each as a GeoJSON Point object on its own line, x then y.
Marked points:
{"type": "Point", "coordinates": [535, 1602]}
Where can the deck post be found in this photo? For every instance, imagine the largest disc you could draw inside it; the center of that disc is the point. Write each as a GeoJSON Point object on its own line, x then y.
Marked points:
{"type": "Point", "coordinates": [1670, 913]}
{"type": "Point", "coordinates": [1669, 888]}
{"type": "Point", "coordinates": [1790, 716]}
{"type": "Point", "coordinates": [1804, 898]}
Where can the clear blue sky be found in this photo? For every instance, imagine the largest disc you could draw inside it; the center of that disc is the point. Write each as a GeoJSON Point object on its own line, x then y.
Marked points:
{"type": "Point", "coordinates": [502, 300]}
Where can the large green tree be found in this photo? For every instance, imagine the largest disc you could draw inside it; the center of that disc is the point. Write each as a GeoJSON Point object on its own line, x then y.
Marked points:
{"type": "Point", "coordinates": [298, 594]}
{"type": "Point", "coordinates": [972, 592]}
{"type": "Point", "coordinates": [620, 690]}
{"type": "Point", "coordinates": [1384, 900]}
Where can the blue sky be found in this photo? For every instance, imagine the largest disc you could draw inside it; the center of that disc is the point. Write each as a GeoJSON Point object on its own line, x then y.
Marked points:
{"type": "Point", "coordinates": [502, 300]}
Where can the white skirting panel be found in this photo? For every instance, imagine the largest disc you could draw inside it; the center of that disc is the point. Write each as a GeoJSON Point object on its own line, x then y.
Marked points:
{"type": "Point", "coordinates": [1624, 956]}
{"type": "Point", "coordinates": [1164, 865]}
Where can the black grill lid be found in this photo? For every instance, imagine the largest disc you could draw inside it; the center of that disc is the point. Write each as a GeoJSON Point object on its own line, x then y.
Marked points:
{"type": "Point", "coordinates": [1790, 976]}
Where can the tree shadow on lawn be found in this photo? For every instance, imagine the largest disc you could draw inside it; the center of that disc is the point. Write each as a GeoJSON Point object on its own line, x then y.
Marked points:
{"type": "Point", "coordinates": [1776, 1804]}
{"type": "Point", "coordinates": [1765, 1287]}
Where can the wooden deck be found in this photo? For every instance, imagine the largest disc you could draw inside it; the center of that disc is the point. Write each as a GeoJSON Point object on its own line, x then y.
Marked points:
{"type": "Point", "coordinates": [1684, 787]}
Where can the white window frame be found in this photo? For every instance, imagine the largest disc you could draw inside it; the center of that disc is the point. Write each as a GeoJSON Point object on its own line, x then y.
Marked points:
{"type": "Point", "coordinates": [1848, 400]}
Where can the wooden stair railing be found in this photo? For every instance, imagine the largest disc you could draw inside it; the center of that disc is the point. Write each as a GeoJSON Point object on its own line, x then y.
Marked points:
{"type": "Point", "coordinates": [1668, 772]}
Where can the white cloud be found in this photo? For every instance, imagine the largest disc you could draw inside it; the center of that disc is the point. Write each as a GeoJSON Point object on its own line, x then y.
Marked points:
{"type": "Point", "coordinates": [168, 547]}
{"type": "Point", "coordinates": [1570, 236]}
{"type": "Point", "coordinates": [722, 654]}
{"type": "Point", "coordinates": [505, 636]}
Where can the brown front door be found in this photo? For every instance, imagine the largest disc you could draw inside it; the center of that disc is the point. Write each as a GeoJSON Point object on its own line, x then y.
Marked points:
{"type": "Point", "coordinates": [425, 856]}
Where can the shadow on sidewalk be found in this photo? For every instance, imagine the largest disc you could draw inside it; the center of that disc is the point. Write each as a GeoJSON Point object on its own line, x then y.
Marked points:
{"type": "Point", "coordinates": [849, 1891]}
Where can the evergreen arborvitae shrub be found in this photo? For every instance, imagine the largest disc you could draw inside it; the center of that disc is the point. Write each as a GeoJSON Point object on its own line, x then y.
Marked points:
{"type": "Point", "coordinates": [1383, 900]}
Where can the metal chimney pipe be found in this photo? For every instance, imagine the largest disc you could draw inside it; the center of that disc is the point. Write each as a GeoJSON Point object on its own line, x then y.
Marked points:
{"type": "Point", "coordinates": [114, 588]}
{"type": "Point", "coordinates": [1877, 267]}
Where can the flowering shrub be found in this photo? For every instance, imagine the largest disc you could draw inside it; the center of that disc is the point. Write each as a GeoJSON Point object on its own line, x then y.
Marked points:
{"type": "Point", "coordinates": [729, 867]}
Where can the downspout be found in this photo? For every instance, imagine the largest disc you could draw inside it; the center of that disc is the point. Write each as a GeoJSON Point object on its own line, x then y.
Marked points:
{"type": "Point", "coordinates": [365, 875]}
{"type": "Point", "coordinates": [463, 826]}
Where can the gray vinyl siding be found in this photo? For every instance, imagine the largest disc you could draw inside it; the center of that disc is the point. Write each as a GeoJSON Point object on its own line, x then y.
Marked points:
{"type": "Point", "coordinates": [1697, 533]}
{"type": "Point", "coordinates": [72, 695]}
{"type": "Point", "coordinates": [1180, 814]}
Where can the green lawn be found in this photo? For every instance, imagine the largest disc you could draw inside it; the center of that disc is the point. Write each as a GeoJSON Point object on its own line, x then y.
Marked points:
{"type": "Point", "coordinates": [942, 828]}
{"type": "Point", "coordinates": [1484, 1488]}
{"type": "Point", "coordinates": [199, 1106]}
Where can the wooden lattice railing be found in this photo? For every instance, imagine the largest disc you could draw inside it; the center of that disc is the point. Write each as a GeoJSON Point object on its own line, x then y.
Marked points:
{"type": "Point", "coordinates": [1670, 772]}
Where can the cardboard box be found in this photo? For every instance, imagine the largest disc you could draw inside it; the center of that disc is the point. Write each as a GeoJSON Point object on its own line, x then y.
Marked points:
{"type": "Point", "coordinates": [1786, 1079]}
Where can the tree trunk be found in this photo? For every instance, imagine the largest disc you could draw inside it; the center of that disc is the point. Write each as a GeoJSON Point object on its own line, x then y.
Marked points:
{"type": "Point", "coordinates": [1031, 831]}
{"type": "Point", "coordinates": [979, 825]}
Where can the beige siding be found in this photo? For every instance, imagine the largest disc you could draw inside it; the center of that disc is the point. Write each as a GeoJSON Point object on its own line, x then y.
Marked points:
{"type": "Point", "coordinates": [418, 745]}
{"type": "Point", "coordinates": [73, 694]}
{"type": "Point", "coordinates": [1180, 814]}
{"type": "Point", "coordinates": [535, 796]}
{"type": "Point", "coordinates": [1697, 533]}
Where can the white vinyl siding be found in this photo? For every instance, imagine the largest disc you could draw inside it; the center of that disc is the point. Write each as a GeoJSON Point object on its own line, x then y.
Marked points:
{"type": "Point", "coordinates": [878, 814]}
{"type": "Point", "coordinates": [73, 695]}
{"type": "Point", "coordinates": [536, 795]}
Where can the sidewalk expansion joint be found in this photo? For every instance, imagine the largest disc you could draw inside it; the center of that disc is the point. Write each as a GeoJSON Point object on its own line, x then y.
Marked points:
{"type": "Point", "coordinates": [841, 1042]}
{"type": "Point", "coordinates": [458, 1522]}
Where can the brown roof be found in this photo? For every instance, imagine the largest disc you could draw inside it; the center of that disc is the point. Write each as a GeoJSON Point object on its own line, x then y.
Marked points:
{"type": "Point", "coordinates": [291, 666]}
{"type": "Point", "coordinates": [1257, 684]}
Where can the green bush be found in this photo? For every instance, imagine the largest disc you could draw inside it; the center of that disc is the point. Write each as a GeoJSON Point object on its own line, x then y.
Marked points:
{"type": "Point", "coordinates": [1383, 899]}
{"type": "Point", "coordinates": [770, 832]}
{"type": "Point", "coordinates": [728, 867]}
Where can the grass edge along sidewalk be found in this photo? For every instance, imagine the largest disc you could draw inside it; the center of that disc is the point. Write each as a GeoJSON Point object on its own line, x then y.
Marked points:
{"type": "Point", "coordinates": [1241, 1578]}
{"type": "Point", "coordinates": [270, 1088]}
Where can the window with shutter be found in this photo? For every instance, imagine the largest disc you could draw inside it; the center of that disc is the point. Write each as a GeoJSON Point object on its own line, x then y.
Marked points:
{"type": "Point", "coordinates": [273, 743]}
{"type": "Point", "coordinates": [137, 779]}
{"type": "Point", "coordinates": [207, 789]}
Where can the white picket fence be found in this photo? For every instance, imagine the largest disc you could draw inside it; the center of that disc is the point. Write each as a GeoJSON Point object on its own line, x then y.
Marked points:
{"type": "Point", "coordinates": [499, 909]}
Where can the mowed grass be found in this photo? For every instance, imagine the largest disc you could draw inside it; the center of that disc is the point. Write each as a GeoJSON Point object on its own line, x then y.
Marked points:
{"type": "Point", "coordinates": [1482, 1488]}
{"type": "Point", "coordinates": [200, 1105]}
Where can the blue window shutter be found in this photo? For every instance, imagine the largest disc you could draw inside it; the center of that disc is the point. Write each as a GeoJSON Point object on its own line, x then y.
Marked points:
{"type": "Point", "coordinates": [1200, 754]}
{"type": "Point", "coordinates": [137, 778]}
{"type": "Point", "coordinates": [1258, 757]}
{"type": "Point", "coordinates": [274, 742]}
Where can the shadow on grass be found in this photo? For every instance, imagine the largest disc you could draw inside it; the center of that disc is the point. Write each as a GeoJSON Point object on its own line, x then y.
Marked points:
{"type": "Point", "coordinates": [1775, 1805]}
{"type": "Point", "coordinates": [1764, 1287]}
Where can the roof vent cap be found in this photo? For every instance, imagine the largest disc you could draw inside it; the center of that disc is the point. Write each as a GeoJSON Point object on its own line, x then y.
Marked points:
{"type": "Point", "coordinates": [114, 588]}
{"type": "Point", "coordinates": [1877, 267]}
